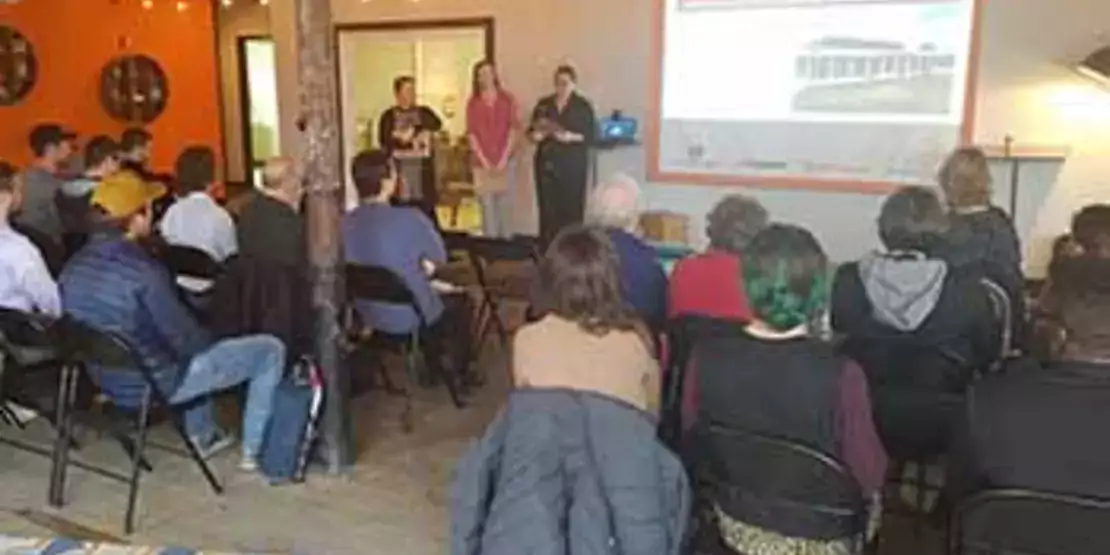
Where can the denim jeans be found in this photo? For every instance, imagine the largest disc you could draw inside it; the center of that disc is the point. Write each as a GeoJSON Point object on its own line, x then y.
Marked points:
{"type": "Point", "coordinates": [259, 359]}
{"type": "Point", "coordinates": [496, 210]}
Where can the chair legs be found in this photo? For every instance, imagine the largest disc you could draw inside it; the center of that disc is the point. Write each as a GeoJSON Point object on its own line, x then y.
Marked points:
{"type": "Point", "coordinates": [63, 407]}
{"type": "Point", "coordinates": [136, 469]}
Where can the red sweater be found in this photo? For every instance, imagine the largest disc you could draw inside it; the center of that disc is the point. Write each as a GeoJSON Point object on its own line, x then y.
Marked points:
{"type": "Point", "coordinates": [709, 284]}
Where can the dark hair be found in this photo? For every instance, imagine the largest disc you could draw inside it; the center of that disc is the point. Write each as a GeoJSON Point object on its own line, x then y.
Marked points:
{"type": "Point", "coordinates": [99, 150]}
{"type": "Point", "coordinates": [786, 276]}
{"type": "Point", "coordinates": [474, 86]}
{"type": "Point", "coordinates": [133, 138]}
{"type": "Point", "coordinates": [568, 70]}
{"type": "Point", "coordinates": [579, 280]}
{"type": "Point", "coordinates": [734, 221]}
{"type": "Point", "coordinates": [368, 170]}
{"type": "Point", "coordinates": [195, 169]}
{"type": "Point", "coordinates": [1090, 227]}
{"type": "Point", "coordinates": [8, 175]}
{"type": "Point", "coordinates": [914, 219]}
{"type": "Point", "coordinates": [46, 135]}
{"type": "Point", "coordinates": [400, 82]}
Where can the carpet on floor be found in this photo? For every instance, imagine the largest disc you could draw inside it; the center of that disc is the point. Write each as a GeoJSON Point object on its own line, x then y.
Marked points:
{"type": "Point", "coordinates": [29, 546]}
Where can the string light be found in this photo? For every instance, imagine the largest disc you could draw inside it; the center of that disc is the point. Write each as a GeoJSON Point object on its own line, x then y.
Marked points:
{"type": "Point", "coordinates": [182, 5]}
{"type": "Point", "coordinates": [148, 4]}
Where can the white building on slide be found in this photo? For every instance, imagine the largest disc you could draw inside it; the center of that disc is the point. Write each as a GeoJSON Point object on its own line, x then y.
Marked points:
{"type": "Point", "coordinates": [836, 60]}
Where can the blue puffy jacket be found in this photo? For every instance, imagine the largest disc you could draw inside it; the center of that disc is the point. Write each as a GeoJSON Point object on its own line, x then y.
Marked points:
{"type": "Point", "coordinates": [114, 285]}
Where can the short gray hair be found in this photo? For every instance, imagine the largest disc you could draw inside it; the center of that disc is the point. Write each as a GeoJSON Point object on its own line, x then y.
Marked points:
{"type": "Point", "coordinates": [278, 171]}
{"type": "Point", "coordinates": [734, 221]}
{"type": "Point", "coordinates": [616, 203]}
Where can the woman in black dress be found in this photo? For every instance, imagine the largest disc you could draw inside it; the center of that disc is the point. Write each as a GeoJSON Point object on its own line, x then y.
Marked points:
{"type": "Point", "coordinates": [563, 127]}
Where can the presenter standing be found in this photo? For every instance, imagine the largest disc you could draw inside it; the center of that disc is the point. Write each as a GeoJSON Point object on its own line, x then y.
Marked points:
{"type": "Point", "coordinates": [405, 132]}
{"type": "Point", "coordinates": [563, 127]}
{"type": "Point", "coordinates": [492, 123]}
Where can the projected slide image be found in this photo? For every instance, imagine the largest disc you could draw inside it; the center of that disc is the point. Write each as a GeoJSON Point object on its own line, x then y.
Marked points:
{"type": "Point", "coordinates": [859, 75]}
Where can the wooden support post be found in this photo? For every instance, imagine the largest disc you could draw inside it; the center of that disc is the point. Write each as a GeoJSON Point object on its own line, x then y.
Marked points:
{"type": "Point", "coordinates": [320, 144]}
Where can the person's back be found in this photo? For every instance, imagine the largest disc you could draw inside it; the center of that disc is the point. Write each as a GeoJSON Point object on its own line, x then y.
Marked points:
{"type": "Point", "coordinates": [399, 239]}
{"type": "Point", "coordinates": [39, 211]}
{"type": "Point", "coordinates": [196, 220]}
{"type": "Point", "coordinates": [272, 231]}
{"type": "Point", "coordinates": [642, 278]}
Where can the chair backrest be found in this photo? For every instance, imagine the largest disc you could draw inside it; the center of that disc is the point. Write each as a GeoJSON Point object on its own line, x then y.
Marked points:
{"type": "Point", "coordinates": [683, 335]}
{"type": "Point", "coordinates": [184, 261]}
{"type": "Point", "coordinates": [1027, 522]}
{"type": "Point", "coordinates": [90, 346]}
{"type": "Point", "coordinates": [777, 484]}
{"type": "Point", "coordinates": [380, 285]}
{"type": "Point", "coordinates": [23, 329]}
{"type": "Point", "coordinates": [1004, 315]}
{"type": "Point", "coordinates": [519, 248]}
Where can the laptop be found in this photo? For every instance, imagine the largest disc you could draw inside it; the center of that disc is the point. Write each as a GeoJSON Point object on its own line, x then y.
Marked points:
{"type": "Point", "coordinates": [618, 129]}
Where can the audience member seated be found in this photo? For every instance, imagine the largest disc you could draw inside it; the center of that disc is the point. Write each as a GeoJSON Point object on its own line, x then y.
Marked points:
{"type": "Point", "coordinates": [114, 285]}
{"type": "Point", "coordinates": [271, 228]}
{"type": "Point", "coordinates": [588, 338]}
{"type": "Point", "coordinates": [1029, 429]}
{"type": "Point", "coordinates": [573, 463]}
{"type": "Point", "coordinates": [101, 160]}
{"type": "Point", "coordinates": [135, 145]}
{"type": "Point", "coordinates": [919, 326]}
{"type": "Point", "coordinates": [982, 237]}
{"type": "Point", "coordinates": [775, 379]}
{"type": "Point", "coordinates": [52, 146]}
{"type": "Point", "coordinates": [615, 207]}
{"type": "Point", "coordinates": [266, 290]}
{"type": "Point", "coordinates": [705, 284]}
{"type": "Point", "coordinates": [25, 281]}
{"type": "Point", "coordinates": [196, 220]}
{"type": "Point", "coordinates": [405, 241]}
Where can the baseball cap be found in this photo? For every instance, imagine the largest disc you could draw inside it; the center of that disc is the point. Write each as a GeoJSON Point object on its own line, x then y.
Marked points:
{"type": "Point", "coordinates": [47, 134]}
{"type": "Point", "coordinates": [125, 193]}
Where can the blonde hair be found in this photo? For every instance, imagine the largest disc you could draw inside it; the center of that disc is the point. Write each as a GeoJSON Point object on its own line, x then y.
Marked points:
{"type": "Point", "coordinates": [966, 179]}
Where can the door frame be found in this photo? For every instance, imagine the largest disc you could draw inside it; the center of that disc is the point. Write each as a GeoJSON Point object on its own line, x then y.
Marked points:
{"type": "Point", "coordinates": [245, 139]}
{"type": "Point", "coordinates": [486, 24]}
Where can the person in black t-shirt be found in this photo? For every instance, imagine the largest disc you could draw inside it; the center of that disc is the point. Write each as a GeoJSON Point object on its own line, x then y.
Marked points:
{"type": "Point", "coordinates": [406, 130]}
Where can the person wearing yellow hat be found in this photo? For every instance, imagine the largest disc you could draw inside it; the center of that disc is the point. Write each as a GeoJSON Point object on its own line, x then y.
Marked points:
{"type": "Point", "coordinates": [114, 284]}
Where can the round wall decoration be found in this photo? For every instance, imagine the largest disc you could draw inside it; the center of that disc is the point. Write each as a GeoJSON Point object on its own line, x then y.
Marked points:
{"type": "Point", "coordinates": [18, 66]}
{"type": "Point", "coordinates": [134, 89]}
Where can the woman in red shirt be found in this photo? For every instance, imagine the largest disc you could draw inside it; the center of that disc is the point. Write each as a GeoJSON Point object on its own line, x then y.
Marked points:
{"type": "Point", "coordinates": [492, 118]}
{"type": "Point", "coordinates": [706, 284]}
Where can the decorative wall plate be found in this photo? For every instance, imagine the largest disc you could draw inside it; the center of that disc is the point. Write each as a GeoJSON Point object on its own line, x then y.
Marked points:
{"type": "Point", "coordinates": [134, 89]}
{"type": "Point", "coordinates": [18, 67]}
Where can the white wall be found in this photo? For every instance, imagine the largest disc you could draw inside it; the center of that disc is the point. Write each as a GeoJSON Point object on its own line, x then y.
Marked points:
{"type": "Point", "coordinates": [240, 19]}
{"type": "Point", "coordinates": [1025, 90]}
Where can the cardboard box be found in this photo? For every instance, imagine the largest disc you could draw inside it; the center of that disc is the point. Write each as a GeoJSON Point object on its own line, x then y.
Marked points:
{"type": "Point", "coordinates": [666, 227]}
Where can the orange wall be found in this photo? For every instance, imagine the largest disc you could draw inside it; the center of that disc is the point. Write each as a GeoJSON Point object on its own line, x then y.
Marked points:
{"type": "Point", "coordinates": [73, 39]}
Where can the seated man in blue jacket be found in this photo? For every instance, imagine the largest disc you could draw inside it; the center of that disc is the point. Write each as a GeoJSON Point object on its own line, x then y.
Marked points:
{"type": "Point", "coordinates": [615, 206]}
{"type": "Point", "coordinates": [114, 285]}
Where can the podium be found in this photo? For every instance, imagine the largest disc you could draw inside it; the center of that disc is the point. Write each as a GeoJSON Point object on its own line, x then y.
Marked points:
{"type": "Point", "coordinates": [410, 168]}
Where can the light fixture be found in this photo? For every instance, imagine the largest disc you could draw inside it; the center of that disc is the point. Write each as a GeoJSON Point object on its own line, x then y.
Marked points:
{"type": "Point", "coordinates": [182, 5]}
{"type": "Point", "coordinates": [148, 4]}
{"type": "Point", "coordinates": [264, 2]}
{"type": "Point", "coordinates": [1097, 66]}
{"type": "Point", "coordinates": [225, 3]}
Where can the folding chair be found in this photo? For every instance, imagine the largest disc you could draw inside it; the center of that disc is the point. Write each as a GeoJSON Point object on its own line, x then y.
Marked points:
{"type": "Point", "coordinates": [97, 351]}
{"type": "Point", "coordinates": [192, 263]}
{"type": "Point", "coordinates": [683, 335]}
{"type": "Point", "coordinates": [1028, 522]}
{"type": "Point", "coordinates": [484, 253]}
{"type": "Point", "coordinates": [380, 285]}
{"type": "Point", "coordinates": [776, 484]}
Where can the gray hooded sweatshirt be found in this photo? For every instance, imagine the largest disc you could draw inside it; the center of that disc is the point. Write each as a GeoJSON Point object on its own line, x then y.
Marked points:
{"type": "Point", "coordinates": [903, 288]}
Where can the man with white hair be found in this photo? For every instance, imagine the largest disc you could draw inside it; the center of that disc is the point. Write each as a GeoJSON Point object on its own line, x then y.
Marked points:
{"type": "Point", "coordinates": [615, 206]}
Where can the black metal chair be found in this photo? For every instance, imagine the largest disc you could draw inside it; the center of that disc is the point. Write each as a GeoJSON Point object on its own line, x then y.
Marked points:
{"type": "Point", "coordinates": [683, 335]}
{"type": "Point", "coordinates": [484, 252]}
{"type": "Point", "coordinates": [1027, 522]}
{"type": "Point", "coordinates": [184, 261]}
{"type": "Point", "coordinates": [776, 484]}
{"type": "Point", "coordinates": [97, 351]}
{"type": "Point", "coordinates": [381, 285]}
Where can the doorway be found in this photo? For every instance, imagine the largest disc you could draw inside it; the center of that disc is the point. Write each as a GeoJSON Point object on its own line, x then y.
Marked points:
{"type": "Point", "coordinates": [439, 54]}
{"type": "Point", "coordinates": [258, 104]}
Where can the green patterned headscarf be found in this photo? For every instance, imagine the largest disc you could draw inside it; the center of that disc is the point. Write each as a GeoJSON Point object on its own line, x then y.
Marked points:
{"type": "Point", "coordinates": [786, 277]}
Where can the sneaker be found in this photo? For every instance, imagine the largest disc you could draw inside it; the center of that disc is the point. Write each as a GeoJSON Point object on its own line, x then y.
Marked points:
{"type": "Point", "coordinates": [248, 463]}
{"type": "Point", "coordinates": [219, 442]}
